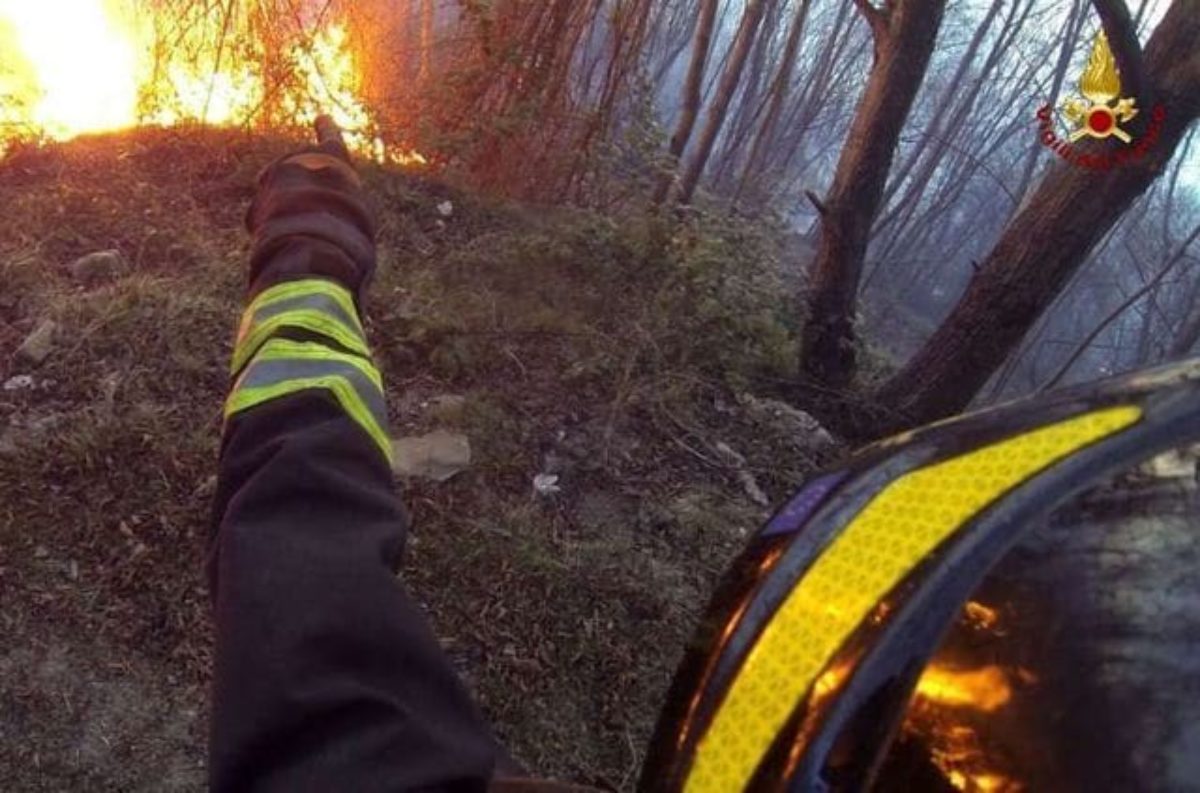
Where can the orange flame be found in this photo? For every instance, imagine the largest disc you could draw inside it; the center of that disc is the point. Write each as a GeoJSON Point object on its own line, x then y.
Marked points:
{"type": "Point", "coordinates": [985, 689]}
{"type": "Point", "coordinates": [944, 699]}
{"type": "Point", "coordinates": [67, 67]}
{"type": "Point", "coordinates": [71, 67]}
{"type": "Point", "coordinates": [950, 702]}
{"type": "Point", "coordinates": [981, 617]}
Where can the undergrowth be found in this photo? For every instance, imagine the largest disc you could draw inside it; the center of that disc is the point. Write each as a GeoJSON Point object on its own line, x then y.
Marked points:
{"type": "Point", "coordinates": [613, 352]}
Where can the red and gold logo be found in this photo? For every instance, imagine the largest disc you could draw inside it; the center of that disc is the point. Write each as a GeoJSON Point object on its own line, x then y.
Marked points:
{"type": "Point", "coordinates": [1100, 113]}
{"type": "Point", "coordinates": [1094, 114]}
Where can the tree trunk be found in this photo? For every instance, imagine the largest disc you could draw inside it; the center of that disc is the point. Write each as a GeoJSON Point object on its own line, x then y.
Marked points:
{"type": "Point", "coordinates": [779, 92]}
{"type": "Point", "coordinates": [1050, 238]}
{"type": "Point", "coordinates": [692, 92]}
{"type": "Point", "coordinates": [840, 52]}
{"type": "Point", "coordinates": [742, 45]}
{"type": "Point", "coordinates": [904, 36]}
{"type": "Point", "coordinates": [945, 103]}
{"type": "Point", "coordinates": [753, 101]}
{"type": "Point", "coordinates": [1073, 26]}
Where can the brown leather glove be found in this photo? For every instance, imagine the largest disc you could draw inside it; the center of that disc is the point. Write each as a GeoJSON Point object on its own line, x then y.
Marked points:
{"type": "Point", "coordinates": [310, 219]}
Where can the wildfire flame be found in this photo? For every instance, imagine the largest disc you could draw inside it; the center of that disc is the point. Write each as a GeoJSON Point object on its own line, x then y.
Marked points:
{"type": "Point", "coordinates": [985, 689]}
{"type": "Point", "coordinates": [943, 696]}
{"type": "Point", "coordinates": [71, 67]}
{"type": "Point", "coordinates": [981, 617]}
{"type": "Point", "coordinates": [949, 703]}
{"type": "Point", "coordinates": [66, 67]}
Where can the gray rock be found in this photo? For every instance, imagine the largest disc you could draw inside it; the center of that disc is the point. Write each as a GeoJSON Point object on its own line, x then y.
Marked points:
{"type": "Point", "coordinates": [99, 268]}
{"type": "Point", "coordinates": [1178, 464]}
{"type": "Point", "coordinates": [546, 485]}
{"type": "Point", "coordinates": [448, 408]}
{"type": "Point", "coordinates": [804, 430]}
{"type": "Point", "coordinates": [38, 345]}
{"type": "Point", "coordinates": [439, 456]}
{"type": "Point", "coordinates": [21, 382]}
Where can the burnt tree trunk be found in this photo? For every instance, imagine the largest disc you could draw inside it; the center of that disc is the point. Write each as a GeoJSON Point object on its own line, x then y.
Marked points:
{"type": "Point", "coordinates": [1051, 237]}
{"type": "Point", "coordinates": [904, 33]}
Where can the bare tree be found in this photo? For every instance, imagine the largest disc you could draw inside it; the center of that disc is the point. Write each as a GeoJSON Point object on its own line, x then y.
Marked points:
{"type": "Point", "coordinates": [1148, 288]}
{"type": "Point", "coordinates": [904, 32]}
{"type": "Point", "coordinates": [692, 91]}
{"type": "Point", "coordinates": [742, 45]}
{"type": "Point", "coordinates": [777, 97]}
{"type": "Point", "coordinates": [1052, 236]}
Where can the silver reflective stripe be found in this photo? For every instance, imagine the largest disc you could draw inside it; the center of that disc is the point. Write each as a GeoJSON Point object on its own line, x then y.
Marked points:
{"type": "Point", "coordinates": [318, 302]}
{"type": "Point", "coordinates": [272, 372]}
{"type": "Point", "coordinates": [325, 314]}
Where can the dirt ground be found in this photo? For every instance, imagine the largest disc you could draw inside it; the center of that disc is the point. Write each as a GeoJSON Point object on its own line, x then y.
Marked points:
{"type": "Point", "coordinates": [638, 374]}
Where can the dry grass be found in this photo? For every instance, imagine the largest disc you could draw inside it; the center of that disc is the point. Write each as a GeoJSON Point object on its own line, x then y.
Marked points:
{"type": "Point", "coordinates": [580, 352]}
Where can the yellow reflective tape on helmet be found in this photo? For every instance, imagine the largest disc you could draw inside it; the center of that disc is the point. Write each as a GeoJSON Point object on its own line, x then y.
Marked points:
{"type": "Point", "coordinates": [898, 529]}
{"type": "Point", "coordinates": [315, 305]}
{"type": "Point", "coordinates": [284, 367]}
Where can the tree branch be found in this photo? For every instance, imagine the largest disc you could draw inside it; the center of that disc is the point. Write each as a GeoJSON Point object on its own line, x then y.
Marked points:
{"type": "Point", "coordinates": [1123, 39]}
{"type": "Point", "coordinates": [817, 202]}
{"type": "Point", "coordinates": [1148, 287]}
{"type": "Point", "coordinates": [877, 17]}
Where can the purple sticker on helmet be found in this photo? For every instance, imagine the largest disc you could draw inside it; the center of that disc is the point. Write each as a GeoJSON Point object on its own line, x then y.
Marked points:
{"type": "Point", "coordinates": [803, 504]}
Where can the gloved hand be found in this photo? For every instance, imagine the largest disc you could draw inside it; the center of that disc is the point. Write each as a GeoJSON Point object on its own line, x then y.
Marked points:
{"type": "Point", "coordinates": [310, 219]}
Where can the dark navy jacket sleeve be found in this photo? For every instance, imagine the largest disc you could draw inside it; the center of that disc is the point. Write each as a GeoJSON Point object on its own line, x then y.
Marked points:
{"type": "Point", "coordinates": [327, 675]}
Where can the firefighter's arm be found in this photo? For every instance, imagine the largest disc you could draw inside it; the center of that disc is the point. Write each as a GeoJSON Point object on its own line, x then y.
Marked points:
{"type": "Point", "coordinates": [327, 675]}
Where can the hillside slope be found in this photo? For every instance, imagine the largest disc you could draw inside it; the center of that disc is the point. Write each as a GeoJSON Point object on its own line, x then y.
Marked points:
{"type": "Point", "coordinates": [631, 366]}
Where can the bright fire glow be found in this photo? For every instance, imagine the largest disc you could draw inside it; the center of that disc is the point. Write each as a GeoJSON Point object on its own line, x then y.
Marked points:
{"type": "Point", "coordinates": [70, 67]}
{"type": "Point", "coordinates": [981, 617]}
{"type": "Point", "coordinates": [985, 689]}
{"type": "Point", "coordinates": [951, 703]}
{"type": "Point", "coordinates": [946, 704]}
{"type": "Point", "coordinates": [67, 67]}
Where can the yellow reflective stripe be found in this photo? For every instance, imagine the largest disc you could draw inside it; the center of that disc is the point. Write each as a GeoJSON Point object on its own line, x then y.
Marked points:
{"type": "Point", "coordinates": [290, 290]}
{"type": "Point", "coordinates": [338, 321]}
{"type": "Point", "coordinates": [346, 396]}
{"type": "Point", "coordinates": [898, 529]}
{"type": "Point", "coordinates": [349, 397]}
{"type": "Point", "coordinates": [255, 334]}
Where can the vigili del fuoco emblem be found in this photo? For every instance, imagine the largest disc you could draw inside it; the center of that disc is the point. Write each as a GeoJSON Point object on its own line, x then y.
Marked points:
{"type": "Point", "coordinates": [1100, 113]}
{"type": "Point", "coordinates": [1094, 114]}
